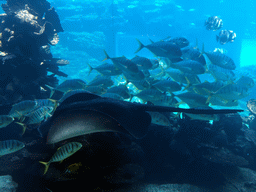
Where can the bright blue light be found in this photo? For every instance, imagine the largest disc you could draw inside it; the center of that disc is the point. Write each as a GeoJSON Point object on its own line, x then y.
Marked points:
{"type": "Point", "coordinates": [248, 52]}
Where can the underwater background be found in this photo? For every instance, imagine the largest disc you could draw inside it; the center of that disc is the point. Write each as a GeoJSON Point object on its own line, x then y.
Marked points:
{"type": "Point", "coordinates": [118, 95]}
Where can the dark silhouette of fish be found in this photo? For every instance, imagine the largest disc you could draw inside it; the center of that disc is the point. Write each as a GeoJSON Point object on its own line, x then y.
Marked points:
{"type": "Point", "coordinates": [115, 115]}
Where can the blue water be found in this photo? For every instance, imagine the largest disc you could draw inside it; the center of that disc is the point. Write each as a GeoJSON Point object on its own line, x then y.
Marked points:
{"type": "Point", "coordinates": [117, 24]}
{"type": "Point", "coordinates": [92, 26]}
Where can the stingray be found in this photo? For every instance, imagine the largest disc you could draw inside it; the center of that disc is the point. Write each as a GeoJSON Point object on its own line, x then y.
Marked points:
{"type": "Point", "coordinates": [85, 113]}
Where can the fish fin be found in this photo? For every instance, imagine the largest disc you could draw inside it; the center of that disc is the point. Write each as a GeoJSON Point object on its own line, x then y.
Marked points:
{"type": "Point", "coordinates": [141, 46]}
{"type": "Point", "coordinates": [47, 164]}
{"type": "Point", "coordinates": [151, 40]}
{"type": "Point", "coordinates": [90, 68]}
{"type": "Point", "coordinates": [52, 90]}
{"type": "Point", "coordinates": [188, 84]}
{"type": "Point", "coordinates": [107, 56]}
{"type": "Point", "coordinates": [202, 52]}
{"type": "Point", "coordinates": [196, 47]}
{"type": "Point", "coordinates": [56, 103]}
{"type": "Point", "coordinates": [23, 126]}
{"type": "Point", "coordinates": [217, 38]}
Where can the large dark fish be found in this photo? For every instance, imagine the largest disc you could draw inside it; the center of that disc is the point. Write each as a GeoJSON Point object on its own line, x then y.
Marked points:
{"type": "Point", "coordinates": [162, 49]}
{"type": "Point", "coordinates": [130, 116]}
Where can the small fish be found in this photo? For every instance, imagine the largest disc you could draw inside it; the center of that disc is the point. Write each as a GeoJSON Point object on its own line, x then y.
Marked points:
{"type": "Point", "coordinates": [62, 153]}
{"type": "Point", "coordinates": [150, 95]}
{"type": "Point", "coordinates": [73, 167]}
{"type": "Point", "coordinates": [20, 109]}
{"type": "Point", "coordinates": [193, 99]}
{"type": "Point", "coordinates": [191, 53]}
{"type": "Point", "coordinates": [71, 84]}
{"type": "Point", "coordinates": [113, 96]}
{"type": "Point", "coordinates": [159, 119]}
{"type": "Point", "coordinates": [106, 69]}
{"type": "Point", "coordinates": [189, 66]}
{"type": "Point", "coordinates": [5, 120]}
{"type": "Point", "coordinates": [184, 78]}
{"type": "Point", "coordinates": [204, 117]}
{"type": "Point", "coordinates": [220, 60]}
{"type": "Point", "coordinates": [246, 82]}
{"type": "Point", "coordinates": [213, 23]}
{"type": "Point", "coordinates": [181, 42]}
{"type": "Point", "coordinates": [143, 62]}
{"type": "Point", "coordinates": [162, 49]}
{"type": "Point", "coordinates": [99, 89]}
{"type": "Point", "coordinates": [10, 146]}
{"type": "Point", "coordinates": [121, 90]}
{"type": "Point", "coordinates": [167, 86]}
{"type": "Point", "coordinates": [230, 92]}
{"type": "Point", "coordinates": [221, 74]}
{"type": "Point", "coordinates": [123, 63]}
{"type": "Point", "coordinates": [38, 115]}
{"type": "Point", "coordinates": [103, 81]}
{"type": "Point", "coordinates": [226, 36]}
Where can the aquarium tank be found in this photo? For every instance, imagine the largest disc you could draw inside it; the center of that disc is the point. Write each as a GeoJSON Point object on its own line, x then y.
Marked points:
{"type": "Point", "coordinates": [127, 96]}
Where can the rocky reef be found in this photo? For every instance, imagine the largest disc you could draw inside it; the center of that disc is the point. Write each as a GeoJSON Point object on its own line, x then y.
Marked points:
{"type": "Point", "coordinates": [27, 31]}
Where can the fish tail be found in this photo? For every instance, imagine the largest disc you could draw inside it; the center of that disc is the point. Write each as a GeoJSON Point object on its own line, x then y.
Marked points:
{"type": "Point", "coordinates": [202, 51]}
{"type": "Point", "coordinates": [107, 56]}
{"type": "Point", "coordinates": [188, 84]}
{"type": "Point", "coordinates": [23, 127]}
{"type": "Point", "coordinates": [52, 90]}
{"type": "Point", "coordinates": [47, 164]}
{"type": "Point", "coordinates": [141, 46]}
{"type": "Point", "coordinates": [90, 68]}
{"type": "Point", "coordinates": [151, 40]}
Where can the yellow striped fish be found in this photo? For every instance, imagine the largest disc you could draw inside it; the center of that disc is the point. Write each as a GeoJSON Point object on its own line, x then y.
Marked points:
{"type": "Point", "coordinates": [5, 120]}
{"type": "Point", "coordinates": [10, 146]}
{"type": "Point", "coordinates": [62, 153]}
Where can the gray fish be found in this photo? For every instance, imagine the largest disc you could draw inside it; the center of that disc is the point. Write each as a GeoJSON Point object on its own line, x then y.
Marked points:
{"type": "Point", "coordinates": [204, 117]}
{"type": "Point", "coordinates": [143, 62]}
{"type": "Point", "coordinates": [191, 53]}
{"type": "Point", "coordinates": [113, 96]}
{"type": "Point", "coordinates": [230, 92]}
{"type": "Point", "coordinates": [62, 153]}
{"type": "Point", "coordinates": [159, 119]}
{"type": "Point", "coordinates": [71, 84]}
{"type": "Point", "coordinates": [38, 115]}
{"type": "Point", "coordinates": [189, 66]}
{"type": "Point", "coordinates": [20, 109]}
{"type": "Point", "coordinates": [99, 89]}
{"type": "Point", "coordinates": [181, 42]}
{"type": "Point", "coordinates": [143, 84]}
{"type": "Point", "coordinates": [5, 120]}
{"type": "Point", "coordinates": [162, 49]}
{"type": "Point", "coordinates": [220, 59]}
{"type": "Point", "coordinates": [105, 82]}
{"type": "Point", "coordinates": [106, 69]}
{"type": "Point", "coordinates": [210, 87]}
{"type": "Point", "coordinates": [134, 76]}
{"type": "Point", "coordinates": [121, 90]}
{"type": "Point", "coordinates": [150, 95]}
{"type": "Point", "coordinates": [167, 86]}
{"type": "Point", "coordinates": [221, 74]}
{"type": "Point", "coordinates": [123, 63]}
{"type": "Point", "coordinates": [184, 78]}
{"type": "Point", "coordinates": [10, 146]}
{"type": "Point", "coordinates": [167, 101]}
{"type": "Point", "coordinates": [193, 99]}
{"type": "Point", "coordinates": [245, 81]}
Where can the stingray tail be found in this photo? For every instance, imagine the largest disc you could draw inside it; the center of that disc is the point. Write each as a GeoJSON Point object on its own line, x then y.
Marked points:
{"type": "Point", "coordinates": [191, 110]}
